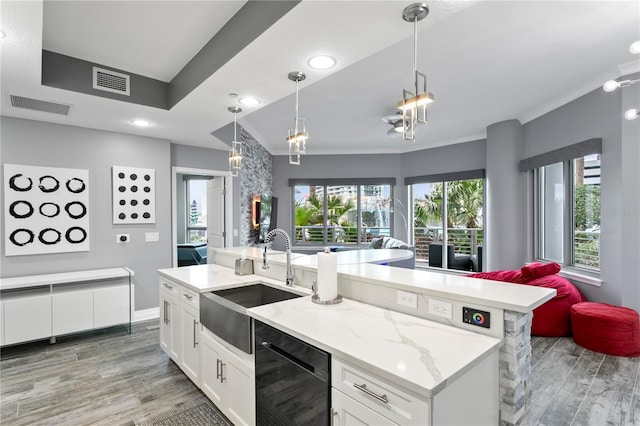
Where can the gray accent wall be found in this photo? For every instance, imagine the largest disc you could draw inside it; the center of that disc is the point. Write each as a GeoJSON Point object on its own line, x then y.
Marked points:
{"type": "Point", "coordinates": [505, 198]}
{"type": "Point", "coordinates": [52, 145]}
{"type": "Point", "coordinates": [255, 178]}
{"type": "Point", "coordinates": [598, 115]}
{"type": "Point", "coordinates": [66, 72]}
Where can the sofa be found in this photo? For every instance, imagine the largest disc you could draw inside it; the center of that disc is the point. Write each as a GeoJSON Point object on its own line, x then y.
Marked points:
{"type": "Point", "coordinates": [459, 261]}
{"type": "Point", "coordinates": [393, 243]}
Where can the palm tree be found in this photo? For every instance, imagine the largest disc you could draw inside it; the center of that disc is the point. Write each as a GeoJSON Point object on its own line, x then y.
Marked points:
{"type": "Point", "coordinates": [464, 205]}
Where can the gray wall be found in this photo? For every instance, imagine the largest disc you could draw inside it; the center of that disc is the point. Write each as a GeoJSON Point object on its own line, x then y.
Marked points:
{"type": "Point", "coordinates": [43, 144]}
{"type": "Point", "coordinates": [597, 115]}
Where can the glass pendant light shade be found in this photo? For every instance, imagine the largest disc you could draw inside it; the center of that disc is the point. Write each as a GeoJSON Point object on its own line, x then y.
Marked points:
{"type": "Point", "coordinates": [235, 155]}
{"type": "Point", "coordinates": [631, 114]}
{"type": "Point", "coordinates": [297, 137]}
{"type": "Point", "coordinates": [414, 102]}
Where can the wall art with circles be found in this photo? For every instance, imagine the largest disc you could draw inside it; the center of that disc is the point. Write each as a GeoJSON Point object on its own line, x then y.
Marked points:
{"type": "Point", "coordinates": [46, 210]}
{"type": "Point", "coordinates": [134, 195]}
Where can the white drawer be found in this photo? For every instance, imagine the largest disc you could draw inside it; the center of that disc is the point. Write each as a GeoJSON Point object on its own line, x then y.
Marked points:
{"type": "Point", "coordinates": [169, 287]}
{"type": "Point", "coordinates": [388, 399]}
{"type": "Point", "coordinates": [189, 298]}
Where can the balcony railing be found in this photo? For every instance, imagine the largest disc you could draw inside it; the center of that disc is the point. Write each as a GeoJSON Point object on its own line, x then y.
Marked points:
{"type": "Point", "coordinates": [338, 234]}
{"type": "Point", "coordinates": [587, 249]}
{"type": "Point", "coordinates": [464, 240]}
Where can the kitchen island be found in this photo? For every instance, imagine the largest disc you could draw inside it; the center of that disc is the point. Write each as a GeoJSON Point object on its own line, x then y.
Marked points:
{"type": "Point", "coordinates": [375, 287]}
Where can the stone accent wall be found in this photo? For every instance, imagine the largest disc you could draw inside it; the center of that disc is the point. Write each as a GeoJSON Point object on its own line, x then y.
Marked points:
{"type": "Point", "coordinates": [255, 177]}
{"type": "Point", "coordinates": [515, 369]}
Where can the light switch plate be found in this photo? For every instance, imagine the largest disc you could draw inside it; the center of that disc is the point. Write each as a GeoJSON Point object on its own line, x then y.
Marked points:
{"type": "Point", "coordinates": [151, 237]}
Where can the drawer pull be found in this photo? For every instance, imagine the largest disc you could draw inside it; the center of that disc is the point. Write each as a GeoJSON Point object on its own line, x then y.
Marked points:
{"type": "Point", "coordinates": [170, 287]}
{"type": "Point", "coordinates": [188, 296]}
{"type": "Point", "coordinates": [363, 388]}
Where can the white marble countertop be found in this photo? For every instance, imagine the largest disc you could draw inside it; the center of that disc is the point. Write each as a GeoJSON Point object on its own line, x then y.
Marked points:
{"type": "Point", "coordinates": [64, 278]}
{"type": "Point", "coordinates": [495, 294]}
{"type": "Point", "coordinates": [208, 277]}
{"type": "Point", "coordinates": [420, 355]}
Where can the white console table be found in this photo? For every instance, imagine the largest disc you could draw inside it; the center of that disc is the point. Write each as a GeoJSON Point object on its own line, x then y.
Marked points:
{"type": "Point", "coordinates": [45, 306]}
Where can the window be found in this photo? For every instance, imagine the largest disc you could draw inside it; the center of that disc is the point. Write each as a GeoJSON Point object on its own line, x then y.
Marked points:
{"type": "Point", "coordinates": [341, 211]}
{"type": "Point", "coordinates": [448, 212]}
{"type": "Point", "coordinates": [568, 212]}
{"type": "Point", "coordinates": [196, 214]}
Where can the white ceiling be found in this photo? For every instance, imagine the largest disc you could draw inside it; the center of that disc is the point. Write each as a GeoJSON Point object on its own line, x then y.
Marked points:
{"type": "Point", "coordinates": [486, 61]}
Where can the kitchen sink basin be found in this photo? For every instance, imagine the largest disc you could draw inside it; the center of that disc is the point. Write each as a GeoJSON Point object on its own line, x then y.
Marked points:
{"type": "Point", "coordinates": [224, 312]}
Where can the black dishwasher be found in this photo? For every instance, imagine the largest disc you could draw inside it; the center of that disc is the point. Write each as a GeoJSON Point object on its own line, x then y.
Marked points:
{"type": "Point", "coordinates": [293, 385]}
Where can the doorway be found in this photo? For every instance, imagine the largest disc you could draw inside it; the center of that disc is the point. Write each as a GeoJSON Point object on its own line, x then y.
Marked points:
{"type": "Point", "coordinates": [201, 207]}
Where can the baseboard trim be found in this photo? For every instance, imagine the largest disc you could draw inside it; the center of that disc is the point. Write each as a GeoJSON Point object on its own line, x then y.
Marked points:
{"type": "Point", "coordinates": [146, 314]}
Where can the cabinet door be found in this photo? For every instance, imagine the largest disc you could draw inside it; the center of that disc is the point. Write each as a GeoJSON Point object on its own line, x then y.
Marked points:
{"type": "Point", "coordinates": [72, 310]}
{"type": "Point", "coordinates": [111, 305]}
{"type": "Point", "coordinates": [169, 326]}
{"type": "Point", "coordinates": [348, 412]}
{"type": "Point", "coordinates": [26, 318]}
{"type": "Point", "coordinates": [210, 359]}
{"type": "Point", "coordinates": [240, 393]}
{"type": "Point", "coordinates": [189, 337]}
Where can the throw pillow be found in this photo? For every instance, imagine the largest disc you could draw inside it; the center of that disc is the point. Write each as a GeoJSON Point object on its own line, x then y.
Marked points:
{"type": "Point", "coordinates": [539, 270]}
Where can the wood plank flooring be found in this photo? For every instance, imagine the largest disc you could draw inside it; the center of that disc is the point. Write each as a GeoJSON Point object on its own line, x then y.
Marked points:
{"type": "Point", "coordinates": [112, 378]}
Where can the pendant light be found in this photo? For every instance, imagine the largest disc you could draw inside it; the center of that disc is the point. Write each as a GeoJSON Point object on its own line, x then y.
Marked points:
{"type": "Point", "coordinates": [414, 103]}
{"type": "Point", "coordinates": [612, 85]}
{"type": "Point", "coordinates": [298, 136]}
{"type": "Point", "coordinates": [235, 155]}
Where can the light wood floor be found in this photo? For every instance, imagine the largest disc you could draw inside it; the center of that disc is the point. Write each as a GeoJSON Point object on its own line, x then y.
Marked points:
{"type": "Point", "coordinates": [113, 378]}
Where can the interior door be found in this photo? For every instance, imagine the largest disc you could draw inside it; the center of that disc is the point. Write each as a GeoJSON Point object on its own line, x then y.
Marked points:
{"type": "Point", "coordinates": [215, 212]}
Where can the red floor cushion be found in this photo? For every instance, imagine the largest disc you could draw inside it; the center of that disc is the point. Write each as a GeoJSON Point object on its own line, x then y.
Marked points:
{"type": "Point", "coordinates": [553, 318]}
{"type": "Point", "coordinates": [608, 329]}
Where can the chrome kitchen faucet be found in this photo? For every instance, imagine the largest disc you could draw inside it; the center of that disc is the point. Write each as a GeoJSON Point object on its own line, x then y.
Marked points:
{"type": "Point", "coordinates": [287, 240]}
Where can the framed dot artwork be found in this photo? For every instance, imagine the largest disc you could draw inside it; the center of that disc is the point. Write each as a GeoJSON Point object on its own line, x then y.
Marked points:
{"type": "Point", "coordinates": [46, 210]}
{"type": "Point", "coordinates": [134, 195]}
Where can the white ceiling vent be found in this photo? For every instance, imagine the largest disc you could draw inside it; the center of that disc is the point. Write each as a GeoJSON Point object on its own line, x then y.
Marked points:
{"type": "Point", "coordinates": [110, 81]}
{"type": "Point", "coordinates": [39, 105]}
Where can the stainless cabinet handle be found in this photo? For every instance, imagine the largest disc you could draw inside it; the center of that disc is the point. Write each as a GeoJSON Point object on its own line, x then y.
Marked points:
{"type": "Point", "coordinates": [222, 365]}
{"type": "Point", "coordinates": [218, 375]}
{"type": "Point", "coordinates": [363, 388]}
{"type": "Point", "coordinates": [195, 342]}
{"type": "Point", "coordinates": [334, 413]}
{"type": "Point", "coordinates": [188, 296]}
{"type": "Point", "coordinates": [170, 287]}
{"type": "Point", "coordinates": [166, 312]}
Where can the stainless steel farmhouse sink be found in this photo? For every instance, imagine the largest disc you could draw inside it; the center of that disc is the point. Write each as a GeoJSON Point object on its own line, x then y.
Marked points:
{"type": "Point", "coordinates": [224, 312]}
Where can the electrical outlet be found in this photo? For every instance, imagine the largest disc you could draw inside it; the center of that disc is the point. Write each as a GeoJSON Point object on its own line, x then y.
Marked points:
{"type": "Point", "coordinates": [440, 308]}
{"type": "Point", "coordinates": [408, 299]}
{"type": "Point", "coordinates": [123, 238]}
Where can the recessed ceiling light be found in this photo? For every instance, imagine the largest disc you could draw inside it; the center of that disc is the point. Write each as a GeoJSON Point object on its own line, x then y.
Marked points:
{"type": "Point", "coordinates": [249, 101]}
{"type": "Point", "coordinates": [140, 123]}
{"type": "Point", "coordinates": [322, 62]}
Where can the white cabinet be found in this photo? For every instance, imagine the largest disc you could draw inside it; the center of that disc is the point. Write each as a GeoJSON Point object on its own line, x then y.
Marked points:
{"type": "Point", "coordinates": [111, 305]}
{"type": "Point", "coordinates": [72, 309]}
{"type": "Point", "coordinates": [362, 398]}
{"type": "Point", "coordinates": [180, 327]}
{"type": "Point", "coordinates": [40, 306]}
{"type": "Point", "coordinates": [349, 412]}
{"type": "Point", "coordinates": [378, 396]}
{"type": "Point", "coordinates": [228, 379]}
{"type": "Point", "coordinates": [26, 315]}
{"type": "Point", "coordinates": [170, 320]}
{"type": "Point", "coordinates": [190, 334]}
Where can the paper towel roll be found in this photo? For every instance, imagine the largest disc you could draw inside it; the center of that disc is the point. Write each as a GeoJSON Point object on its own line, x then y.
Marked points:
{"type": "Point", "coordinates": [327, 283]}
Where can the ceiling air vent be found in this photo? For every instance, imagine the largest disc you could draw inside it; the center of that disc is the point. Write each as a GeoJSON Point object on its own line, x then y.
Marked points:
{"type": "Point", "coordinates": [39, 105]}
{"type": "Point", "coordinates": [110, 81]}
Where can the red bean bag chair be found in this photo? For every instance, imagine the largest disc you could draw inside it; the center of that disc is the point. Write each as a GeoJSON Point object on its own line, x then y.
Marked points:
{"type": "Point", "coordinates": [608, 329]}
{"type": "Point", "coordinates": [553, 318]}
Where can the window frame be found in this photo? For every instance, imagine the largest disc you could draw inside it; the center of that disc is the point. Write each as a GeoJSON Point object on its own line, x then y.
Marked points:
{"type": "Point", "coordinates": [188, 228]}
{"type": "Point", "coordinates": [568, 262]}
{"type": "Point", "coordinates": [359, 183]}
